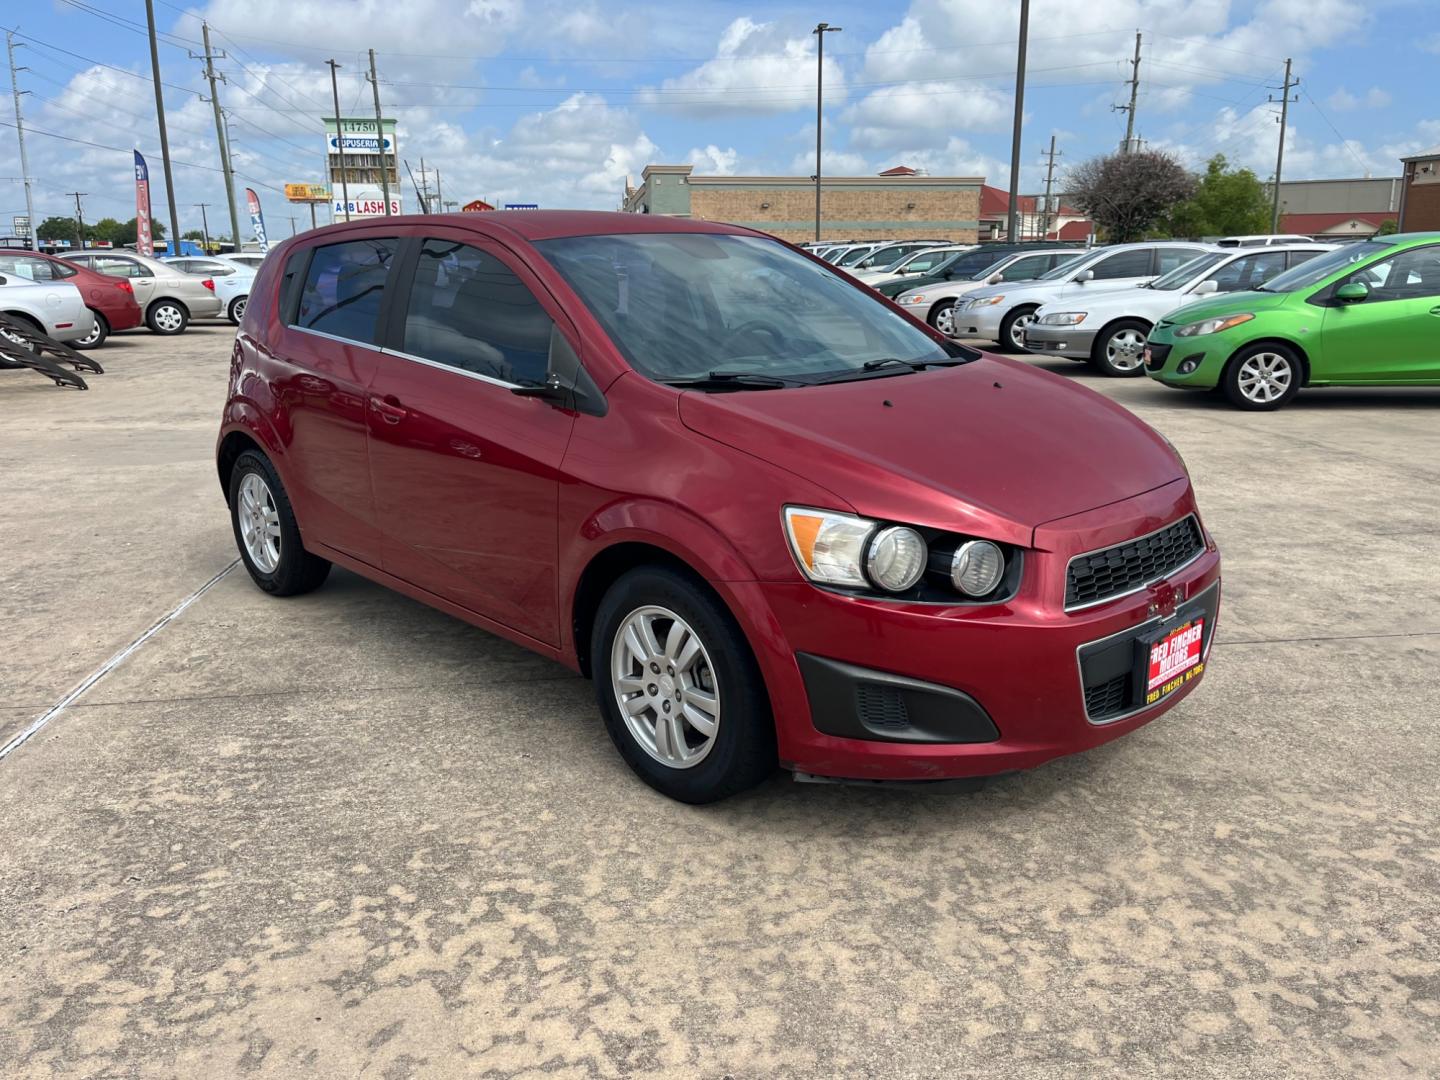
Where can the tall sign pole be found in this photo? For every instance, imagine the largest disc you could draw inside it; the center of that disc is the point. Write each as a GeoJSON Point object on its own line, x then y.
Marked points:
{"type": "Point", "coordinates": [164, 138]}
{"type": "Point", "coordinates": [821, 29]}
{"type": "Point", "coordinates": [380, 135]}
{"type": "Point", "coordinates": [20, 131]}
{"type": "Point", "coordinates": [1012, 224]}
{"type": "Point", "coordinates": [339, 140]}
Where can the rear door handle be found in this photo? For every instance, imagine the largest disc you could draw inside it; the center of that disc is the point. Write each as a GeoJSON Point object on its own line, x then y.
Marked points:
{"type": "Point", "coordinates": [1435, 310]}
{"type": "Point", "coordinates": [389, 408]}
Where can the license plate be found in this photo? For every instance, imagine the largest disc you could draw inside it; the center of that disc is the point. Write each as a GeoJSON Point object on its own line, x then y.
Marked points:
{"type": "Point", "coordinates": [1174, 659]}
{"type": "Point", "coordinates": [1146, 355]}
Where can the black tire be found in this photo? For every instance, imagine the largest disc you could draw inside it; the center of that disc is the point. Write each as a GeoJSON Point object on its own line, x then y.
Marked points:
{"type": "Point", "coordinates": [1008, 329]}
{"type": "Point", "coordinates": [155, 313]}
{"type": "Point", "coordinates": [1243, 383]}
{"type": "Point", "coordinates": [743, 753]}
{"type": "Point", "coordinates": [297, 571]}
{"type": "Point", "coordinates": [1121, 336]}
{"type": "Point", "coordinates": [10, 364]}
{"type": "Point", "coordinates": [102, 331]}
{"type": "Point", "coordinates": [941, 310]}
{"type": "Point", "coordinates": [236, 311]}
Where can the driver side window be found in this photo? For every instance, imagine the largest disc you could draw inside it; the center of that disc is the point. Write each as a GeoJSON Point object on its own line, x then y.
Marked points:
{"type": "Point", "coordinates": [1408, 275]}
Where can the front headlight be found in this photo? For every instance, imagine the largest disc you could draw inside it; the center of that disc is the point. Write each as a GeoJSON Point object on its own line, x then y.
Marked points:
{"type": "Point", "coordinates": [830, 547]}
{"type": "Point", "coordinates": [1212, 326]}
{"type": "Point", "coordinates": [1063, 318]}
{"type": "Point", "coordinates": [986, 301]}
{"type": "Point", "coordinates": [912, 298]}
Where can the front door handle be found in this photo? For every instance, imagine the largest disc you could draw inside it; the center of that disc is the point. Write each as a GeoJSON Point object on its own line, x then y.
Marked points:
{"type": "Point", "coordinates": [389, 408]}
{"type": "Point", "coordinates": [1435, 310]}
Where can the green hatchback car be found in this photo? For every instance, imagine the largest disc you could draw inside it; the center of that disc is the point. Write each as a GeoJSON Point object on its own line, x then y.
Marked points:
{"type": "Point", "coordinates": [1365, 314]}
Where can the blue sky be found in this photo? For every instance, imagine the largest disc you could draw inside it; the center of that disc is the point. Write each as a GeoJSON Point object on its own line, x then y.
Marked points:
{"type": "Point", "coordinates": [556, 103]}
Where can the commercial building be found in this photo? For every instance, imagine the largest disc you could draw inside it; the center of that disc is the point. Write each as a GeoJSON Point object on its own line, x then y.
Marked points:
{"type": "Point", "coordinates": [1339, 209]}
{"type": "Point", "coordinates": [1420, 195]}
{"type": "Point", "coordinates": [1063, 222]}
{"type": "Point", "coordinates": [363, 155]}
{"type": "Point", "coordinates": [904, 206]}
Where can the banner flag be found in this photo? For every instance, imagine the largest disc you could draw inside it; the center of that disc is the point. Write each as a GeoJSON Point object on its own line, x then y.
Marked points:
{"type": "Point", "coordinates": [143, 243]}
{"type": "Point", "coordinates": [257, 218]}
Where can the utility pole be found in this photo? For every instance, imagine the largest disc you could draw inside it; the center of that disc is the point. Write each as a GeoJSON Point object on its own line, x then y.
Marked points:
{"type": "Point", "coordinates": [20, 131]}
{"type": "Point", "coordinates": [424, 188]}
{"type": "Point", "coordinates": [1012, 222]}
{"type": "Point", "coordinates": [292, 224]}
{"type": "Point", "coordinates": [1049, 181]}
{"type": "Point", "coordinates": [79, 220]}
{"type": "Point", "coordinates": [204, 228]}
{"type": "Point", "coordinates": [339, 140]}
{"type": "Point", "coordinates": [312, 215]}
{"type": "Point", "coordinates": [439, 192]}
{"type": "Point", "coordinates": [380, 135]}
{"type": "Point", "coordinates": [160, 116]}
{"type": "Point", "coordinates": [225, 167]}
{"type": "Point", "coordinates": [1285, 100]}
{"type": "Point", "coordinates": [821, 29]}
{"type": "Point", "coordinates": [1128, 146]}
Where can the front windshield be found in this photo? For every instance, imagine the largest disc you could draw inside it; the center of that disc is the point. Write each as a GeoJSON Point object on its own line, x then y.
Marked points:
{"type": "Point", "coordinates": [850, 258]}
{"type": "Point", "coordinates": [1185, 272]}
{"type": "Point", "coordinates": [682, 305]}
{"type": "Point", "coordinates": [1322, 266]}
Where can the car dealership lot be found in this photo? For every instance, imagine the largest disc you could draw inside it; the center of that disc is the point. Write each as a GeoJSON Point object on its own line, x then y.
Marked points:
{"type": "Point", "coordinates": [346, 832]}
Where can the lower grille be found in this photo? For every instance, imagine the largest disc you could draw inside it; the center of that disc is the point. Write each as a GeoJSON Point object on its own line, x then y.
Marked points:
{"type": "Point", "coordinates": [1157, 356]}
{"type": "Point", "coordinates": [1115, 571]}
{"type": "Point", "coordinates": [1107, 699]}
{"type": "Point", "coordinates": [882, 706]}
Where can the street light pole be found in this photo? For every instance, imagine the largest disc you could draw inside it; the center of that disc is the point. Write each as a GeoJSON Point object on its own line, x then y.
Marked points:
{"type": "Point", "coordinates": [821, 29]}
{"type": "Point", "coordinates": [1012, 224]}
{"type": "Point", "coordinates": [340, 140]}
{"type": "Point", "coordinates": [204, 228]}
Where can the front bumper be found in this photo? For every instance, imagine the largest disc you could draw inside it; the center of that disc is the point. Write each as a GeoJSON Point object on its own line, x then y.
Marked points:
{"type": "Point", "coordinates": [1203, 357]}
{"type": "Point", "coordinates": [982, 322]}
{"type": "Point", "coordinates": [1060, 340]}
{"type": "Point", "coordinates": [1021, 668]}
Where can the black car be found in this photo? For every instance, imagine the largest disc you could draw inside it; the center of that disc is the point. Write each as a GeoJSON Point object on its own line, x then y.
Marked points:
{"type": "Point", "coordinates": [962, 266]}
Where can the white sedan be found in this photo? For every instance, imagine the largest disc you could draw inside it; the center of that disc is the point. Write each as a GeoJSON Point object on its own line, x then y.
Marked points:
{"type": "Point", "coordinates": [232, 279]}
{"type": "Point", "coordinates": [55, 308]}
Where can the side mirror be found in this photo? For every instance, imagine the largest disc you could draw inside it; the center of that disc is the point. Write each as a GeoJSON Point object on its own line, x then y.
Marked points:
{"type": "Point", "coordinates": [1084, 276]}
{"type": "Point", "coordinates": [1352, 292]}
{"type": "Point", "coordinates": [995, 278]}
{"type": "Point", "coordinates": [1206, 287]}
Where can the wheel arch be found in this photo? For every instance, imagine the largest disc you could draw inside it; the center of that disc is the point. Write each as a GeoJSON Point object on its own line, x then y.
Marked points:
{"type": "Point", "coordinates": [25, 316]}
{"type": "Point", "coordinates": [172, 299]}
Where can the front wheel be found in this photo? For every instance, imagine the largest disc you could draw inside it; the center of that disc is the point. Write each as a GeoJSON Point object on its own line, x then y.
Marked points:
{"type": "Point", "coordinates": [1012, 329]}
{"type": "Point", "coordinates": [266, 531]}
{"type": "Point", "coordinates": [1262, 378]}
{"type": "Point", "coordinates": [679, 689]}
{"type": "Point", "coordinates": [1120, 350]}
{"type": "Point", "coordinates": [16, 339]}
{"type": "Point", "coordinates": [942, 317]}
{"type": "Point", "coordinates": [97, 335]}
{"type": "Point", "coordinates": [167, 317]}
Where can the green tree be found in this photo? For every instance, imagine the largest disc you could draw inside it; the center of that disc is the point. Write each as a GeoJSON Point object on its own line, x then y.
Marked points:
{"type": "Point", "coordinates": [107, 228]}
{"type": "Point", "coordinates": [56, 228]}
{"type": "Point", "coordinates": [193, 234]}
{"type": "Point", "coordinates": [1130, 196]}
{"type": "Point", "coordinates": [1387, 228]}
{"type": "Point", "coordinates": [1227, 202]}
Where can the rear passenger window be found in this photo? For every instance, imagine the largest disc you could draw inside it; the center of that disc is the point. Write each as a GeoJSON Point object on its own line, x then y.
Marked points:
{"type": "Point", "coordinates": [1123, 264]}
{"type": "Point", "coordinates": [468, 310]}
{"type": "Point", "coordinates": [344, 288]}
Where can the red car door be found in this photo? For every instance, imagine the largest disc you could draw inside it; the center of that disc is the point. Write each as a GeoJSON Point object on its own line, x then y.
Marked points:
{"type": "Point", "coordinates": [325, 356]}
{"type": "Point", "coordinates": [465, 473]}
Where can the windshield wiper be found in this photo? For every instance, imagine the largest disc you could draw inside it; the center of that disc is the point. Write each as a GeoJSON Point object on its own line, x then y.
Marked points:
{"type": "Point", "coordinates": [874, 369]}
{"type": "Point", "coordinates": [731, 380]}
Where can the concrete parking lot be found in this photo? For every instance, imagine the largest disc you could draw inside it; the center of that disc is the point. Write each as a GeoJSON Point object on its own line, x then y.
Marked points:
{"type": "Point", "coordinates": [346, 835]}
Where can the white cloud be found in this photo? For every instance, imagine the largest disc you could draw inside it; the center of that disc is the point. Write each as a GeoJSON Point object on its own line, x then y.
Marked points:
{"type": "Point", "coordinates": [837, 163]}
{"type": "Point", "coordinates": [895, 116]}
{"type": "Point", "coordinates": [757, 69]}
{"type": "Point", "coordinates": [712, 161]}
{"type": "Point", "coordinates": [1343, 100]}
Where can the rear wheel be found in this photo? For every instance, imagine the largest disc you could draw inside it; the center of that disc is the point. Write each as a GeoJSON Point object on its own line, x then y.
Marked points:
{"type": "Point", "coordinates": [266, 531]}
{"type": "Point", "coordinates": [679, 689]}
{"type": "Point", "coordinates": [1262, 378]}
{"type": "Point", "coordinates": [1012, 329]}
{"type": "Point", "coordinates": [1119, 350]}
{"type": "Point", "coordinates": [16, 339]}
{"type": "Point", "coordinates": [236, 311]}
{"type": "Point", "coordinates": [167, 317]}
{"type": "Point", "coordinates": [97, 336]}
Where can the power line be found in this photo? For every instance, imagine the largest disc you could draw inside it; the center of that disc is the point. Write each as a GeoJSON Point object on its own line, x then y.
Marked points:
{"type": "Point", "coordinates": [1343, 141]}
{"type": "Point", "coordinates": [100, 63]}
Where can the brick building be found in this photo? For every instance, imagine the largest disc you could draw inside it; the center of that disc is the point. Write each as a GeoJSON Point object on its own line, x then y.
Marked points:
{"type": "Point", "coordinates": [899, 205]}
{"type": "Point", "coordinates": [1420, 197]}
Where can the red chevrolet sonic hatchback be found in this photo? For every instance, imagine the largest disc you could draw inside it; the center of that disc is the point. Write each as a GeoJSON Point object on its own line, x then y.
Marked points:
{"type": "Point", "coordinates": [773, 517]}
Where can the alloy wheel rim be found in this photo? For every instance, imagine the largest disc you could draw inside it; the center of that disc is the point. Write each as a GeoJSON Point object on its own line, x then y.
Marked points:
{"type": "Point", "coordinates": [93, 336]}
{"type": "Point", "coordinates": [1264, 377]}
{"type": "Point", "coordinates": [239, 309]}
{"type": "Point", "coordinates": [945, 319]}
{"type": "Point", "coordinates": [1126, 350]}
{"type": "Point", "coordinates": [1017, 329]}
{"type": "Point", "coordinates": [167, 317]}
{"type": "Point", "coordinates": [665, 686]}
{"type": "Point", "coordinates": [259, 523]}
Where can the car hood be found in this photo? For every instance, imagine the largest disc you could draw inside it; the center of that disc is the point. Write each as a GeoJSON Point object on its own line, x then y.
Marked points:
{"type": "Point", "coordinates": [993, 448]}
{"type": "Point", "coordinates": [1036, 289]}
{"type": "Point", "coordinates": [1229, 304]}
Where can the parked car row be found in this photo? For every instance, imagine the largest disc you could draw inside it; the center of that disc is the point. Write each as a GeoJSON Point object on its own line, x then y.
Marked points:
{"type": "Point", "coordinates": [119, 290]}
